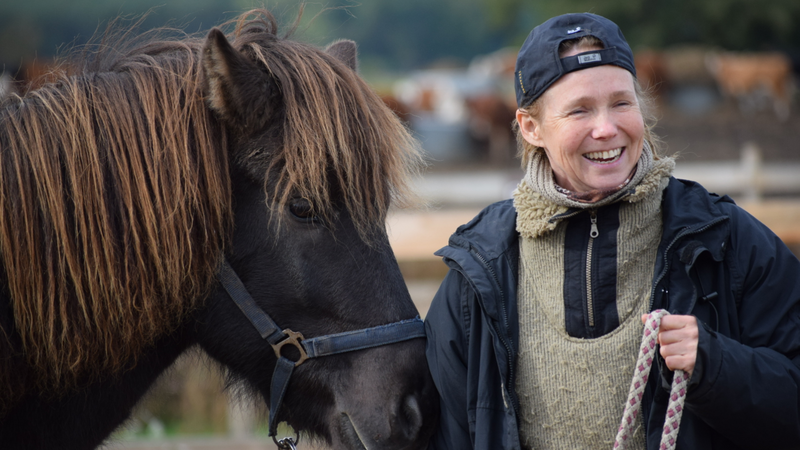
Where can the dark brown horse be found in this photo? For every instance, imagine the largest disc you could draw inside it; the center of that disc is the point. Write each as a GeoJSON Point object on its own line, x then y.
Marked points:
{"type": "Point", "coordinates": [124, 187]}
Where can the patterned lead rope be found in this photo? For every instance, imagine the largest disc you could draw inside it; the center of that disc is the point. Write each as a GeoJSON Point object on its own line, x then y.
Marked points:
{"type": "Point", "coordinates": [634, 402]}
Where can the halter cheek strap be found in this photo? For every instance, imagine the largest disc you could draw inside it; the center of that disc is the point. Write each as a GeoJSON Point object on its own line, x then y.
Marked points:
{"type": "Point", "coordinates": [331, 344]}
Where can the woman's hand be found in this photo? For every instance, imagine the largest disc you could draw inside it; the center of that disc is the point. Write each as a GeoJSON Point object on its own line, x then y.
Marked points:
{"type": "Point", "coordinates": [678, 337]}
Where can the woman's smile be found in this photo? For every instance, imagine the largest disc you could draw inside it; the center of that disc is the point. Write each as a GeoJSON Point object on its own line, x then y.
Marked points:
{"type": "Point", "coordinates": [604, 157]}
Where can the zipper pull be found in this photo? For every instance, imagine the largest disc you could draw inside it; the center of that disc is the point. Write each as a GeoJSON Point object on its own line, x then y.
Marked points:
{"type": "Point", "coordinates": [594, 233]}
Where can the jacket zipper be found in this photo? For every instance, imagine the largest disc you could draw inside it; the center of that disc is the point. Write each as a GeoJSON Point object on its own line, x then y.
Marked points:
{"type": "Point", "coordinates": [589, 250]}
{"type": "Point", "coordinates": [505, 322]}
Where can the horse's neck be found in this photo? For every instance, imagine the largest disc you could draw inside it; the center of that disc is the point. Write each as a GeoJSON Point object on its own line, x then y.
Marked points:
{"type": "Point", "coordinates": [85, 418]}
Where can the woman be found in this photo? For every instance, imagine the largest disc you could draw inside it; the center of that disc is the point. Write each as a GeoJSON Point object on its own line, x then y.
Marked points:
{"type": "Point", "coordinates": [534, 333]}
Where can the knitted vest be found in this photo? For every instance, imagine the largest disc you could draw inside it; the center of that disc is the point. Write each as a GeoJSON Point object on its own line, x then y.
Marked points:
{"type": "Point", "coordinates": [571, 391]}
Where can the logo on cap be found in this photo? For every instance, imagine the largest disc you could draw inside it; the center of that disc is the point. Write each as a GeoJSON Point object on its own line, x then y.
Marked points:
{"type": "Point", "coordinates": [589, 58]}
{"type": "Point", "coordinates": [574, 30]}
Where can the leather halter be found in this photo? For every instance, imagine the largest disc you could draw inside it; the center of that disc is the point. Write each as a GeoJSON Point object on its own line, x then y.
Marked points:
{"type": "Point", "coordinates": [330, 344]}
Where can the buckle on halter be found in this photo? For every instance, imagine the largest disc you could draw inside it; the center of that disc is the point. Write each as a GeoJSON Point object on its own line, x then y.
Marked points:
{"type": "Point", "coordinates": [293, 338]}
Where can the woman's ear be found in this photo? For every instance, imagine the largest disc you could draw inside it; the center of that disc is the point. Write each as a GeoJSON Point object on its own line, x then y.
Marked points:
{"type": "Point", "coordinates": [529, 128]}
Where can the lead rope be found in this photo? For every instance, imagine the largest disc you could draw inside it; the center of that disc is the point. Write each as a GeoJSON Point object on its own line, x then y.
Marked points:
{"type": "Point", "coordinates": [633, 404]}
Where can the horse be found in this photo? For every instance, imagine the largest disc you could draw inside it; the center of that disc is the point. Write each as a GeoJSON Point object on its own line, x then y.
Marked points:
{"type": "Point", "coordinates": [172, 193]}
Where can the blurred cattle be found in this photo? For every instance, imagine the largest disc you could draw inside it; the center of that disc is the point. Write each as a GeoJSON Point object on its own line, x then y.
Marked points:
{"type": "Point", "coordinates": [461, 113]}
{"type": "Point", "coordinates": [686, 65]}
{"type": "Point", "coordinates": [652, 72]}
{"type": "Point", "coordinates": [665, 69]}
{"type": "Point", "coordinates": [6, 85]}
{"type": "Point", "coordinates": [30, 75]}
{"type": "Point", "coordinates": [490, 122]}
{"type": "Point", "coordinates": [492, 110]}
{"type": "Point", "coordinates": [427, 100]}
{"type": "Point", "coordinates": [400, 109]}
{"type": "Point", "coordinates": [38, 72]}
{"type": "Point", "coordinates": [498, 65]}
{"type": "Point", "coordinates": [754, 79]}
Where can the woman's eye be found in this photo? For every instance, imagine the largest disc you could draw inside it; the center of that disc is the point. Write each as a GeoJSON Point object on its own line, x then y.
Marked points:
{"type": "Point", "coordinates": [302, 209]}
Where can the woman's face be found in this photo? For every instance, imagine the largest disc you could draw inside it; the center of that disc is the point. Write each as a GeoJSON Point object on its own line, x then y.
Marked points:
{"type": "Point", "coordinates": [590, 127]}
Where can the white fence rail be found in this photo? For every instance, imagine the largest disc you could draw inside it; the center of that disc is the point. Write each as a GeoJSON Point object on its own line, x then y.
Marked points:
{"type": "Point", "coordinates": [748, 179]}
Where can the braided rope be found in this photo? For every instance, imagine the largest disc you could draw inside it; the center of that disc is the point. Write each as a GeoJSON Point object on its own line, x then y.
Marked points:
{"type": "Point", "coordinates": [633, 404]}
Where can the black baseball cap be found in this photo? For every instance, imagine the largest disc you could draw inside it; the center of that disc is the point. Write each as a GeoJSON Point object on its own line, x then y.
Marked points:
{"type": "Point", "coordinates": [539, 66]}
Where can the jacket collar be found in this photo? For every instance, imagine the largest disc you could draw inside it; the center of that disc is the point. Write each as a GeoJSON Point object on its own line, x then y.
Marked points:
{"type": "Point", "coordinates": [688, 209]}
{"type": "Point", "coordinates": [492, 232]}
{"type": "Point", "coordinates": [540, 213]}
{"type": "Point", "coordinates": [486, 251]}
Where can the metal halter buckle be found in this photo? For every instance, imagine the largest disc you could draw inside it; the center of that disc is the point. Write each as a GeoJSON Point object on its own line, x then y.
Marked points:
{"type": "Point", "coordinates": [287, 443]}
{"type": "Point", "coordinates": [293, 338]}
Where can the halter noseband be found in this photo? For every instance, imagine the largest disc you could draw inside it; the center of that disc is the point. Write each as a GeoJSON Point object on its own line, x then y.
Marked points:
{"type": "Point", "coordinates": [330, 344]}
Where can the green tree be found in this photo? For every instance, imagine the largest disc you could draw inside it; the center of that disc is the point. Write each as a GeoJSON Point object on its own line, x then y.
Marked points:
{"type": "Point", "coordinates": [401, 34]}
{"type": "Point", "coordinates": [730, 24]}
{"type": "Point", "coordinates": [44, 28]}
{"type": "Point", "coordinates": [406, 34]}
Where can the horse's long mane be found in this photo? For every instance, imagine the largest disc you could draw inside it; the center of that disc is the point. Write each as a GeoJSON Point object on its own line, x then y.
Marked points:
{"type": "Point", "coordinates": [114, 205]}
{"type": "Point", "coordinates": [115, 191]}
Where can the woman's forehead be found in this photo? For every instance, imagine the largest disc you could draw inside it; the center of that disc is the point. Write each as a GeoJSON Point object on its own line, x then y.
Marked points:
{"type": "Point", "coordinates": [600, 82]}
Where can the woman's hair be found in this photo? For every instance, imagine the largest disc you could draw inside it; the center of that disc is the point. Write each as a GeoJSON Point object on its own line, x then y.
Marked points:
{"type": "Point", "coordinates": [645, 99]}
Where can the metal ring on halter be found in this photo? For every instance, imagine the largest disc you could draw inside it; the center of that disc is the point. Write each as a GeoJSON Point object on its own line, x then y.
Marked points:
{"type": "Point", "coordinates": [287, 443]}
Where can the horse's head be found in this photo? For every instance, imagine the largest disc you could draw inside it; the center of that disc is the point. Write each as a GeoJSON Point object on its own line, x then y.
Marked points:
{"type": "Point", "coordinates": [315, 159]}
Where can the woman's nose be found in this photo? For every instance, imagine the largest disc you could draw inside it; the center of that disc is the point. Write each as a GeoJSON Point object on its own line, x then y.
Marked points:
{"type": "Point", "coordinates": [604, 126]}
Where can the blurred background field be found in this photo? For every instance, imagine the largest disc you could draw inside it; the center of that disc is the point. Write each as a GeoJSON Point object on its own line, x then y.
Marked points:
{"type": "Point", "coordinates": [724, 73]}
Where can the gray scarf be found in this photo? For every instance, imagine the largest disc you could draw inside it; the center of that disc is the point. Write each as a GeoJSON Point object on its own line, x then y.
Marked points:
{"type": "Point", "coordinates": [540, 178]}
{"type": "Point", "coordinates": [539, 203]}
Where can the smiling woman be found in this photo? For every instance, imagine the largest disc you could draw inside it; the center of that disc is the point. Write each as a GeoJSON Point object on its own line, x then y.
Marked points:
{"type": "Point", "coordinates": [579, 120]}
{"type": "Point", "coordinates": [590, 128]}
{"type": "Point", "coordinates": [533, 335]}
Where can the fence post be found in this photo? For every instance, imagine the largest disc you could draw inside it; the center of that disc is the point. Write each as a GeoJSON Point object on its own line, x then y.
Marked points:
{"type": "Point", "coordinates": [241, 418]}
{"type": "Point", "coordinates": [752, 171]}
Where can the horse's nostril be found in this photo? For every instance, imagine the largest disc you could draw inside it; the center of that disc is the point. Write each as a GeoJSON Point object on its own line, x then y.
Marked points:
{"type": "Point", "coordinates": [412, 414]}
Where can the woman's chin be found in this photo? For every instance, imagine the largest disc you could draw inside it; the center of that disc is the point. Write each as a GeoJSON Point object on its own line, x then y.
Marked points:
{"type": "Point", "coordinates": [604, 184]}
{"type": "Point", "coordinates": [610, 181]}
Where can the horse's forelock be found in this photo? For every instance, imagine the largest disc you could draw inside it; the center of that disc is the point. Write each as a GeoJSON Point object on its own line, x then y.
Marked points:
{"type": "Point", "coordinates": [338, 136]}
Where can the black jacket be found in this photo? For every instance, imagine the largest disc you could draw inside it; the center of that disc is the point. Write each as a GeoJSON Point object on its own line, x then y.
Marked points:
{"type": "Point", "coordinates": [714, 261]}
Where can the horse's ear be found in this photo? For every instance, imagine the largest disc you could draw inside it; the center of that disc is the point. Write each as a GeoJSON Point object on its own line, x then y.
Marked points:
{"type": "Point", "coordinates": [345, 51]}
{"type": "Point", "coordinates": [234, 85]}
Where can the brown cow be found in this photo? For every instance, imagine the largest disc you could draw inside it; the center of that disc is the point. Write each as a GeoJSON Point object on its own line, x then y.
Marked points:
{"type": "Point", "coordinates": [490, 121]}
{"type": "Point", "coordinates": [401, 110]}
{"type": "Point", "coordinates": [652, 71]}
{"type": "Point", "coordinates": [753, 77]}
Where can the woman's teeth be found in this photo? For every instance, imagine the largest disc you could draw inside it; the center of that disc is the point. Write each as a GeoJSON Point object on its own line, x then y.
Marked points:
{"type": "Point", "coordinates": [605, 157]}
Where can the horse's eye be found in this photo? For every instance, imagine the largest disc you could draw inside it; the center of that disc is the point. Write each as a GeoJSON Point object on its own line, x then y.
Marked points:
{"type": "Point", "coordinates": [302, 209]}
